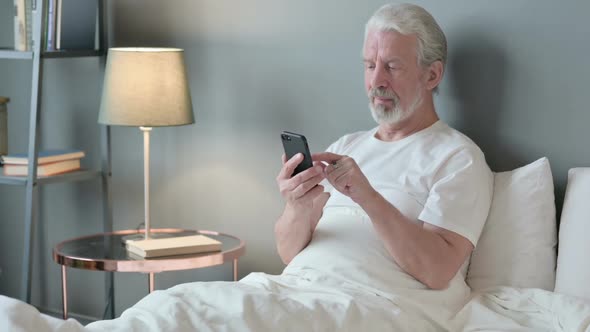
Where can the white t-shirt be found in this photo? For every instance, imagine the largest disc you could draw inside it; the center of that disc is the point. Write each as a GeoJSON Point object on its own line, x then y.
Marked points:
{"type": "Point", "coordinates": [437, 175]}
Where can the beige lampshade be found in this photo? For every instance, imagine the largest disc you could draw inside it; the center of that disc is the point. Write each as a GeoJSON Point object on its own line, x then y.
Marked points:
{"type": "Point", "coordinates": [145, 87]}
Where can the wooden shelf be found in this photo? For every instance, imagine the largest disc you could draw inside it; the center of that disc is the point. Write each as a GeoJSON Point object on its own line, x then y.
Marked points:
{"type": "Point", "coordinates": [12, 54]}
{"type": "Point", "coordinates": [66, 177]}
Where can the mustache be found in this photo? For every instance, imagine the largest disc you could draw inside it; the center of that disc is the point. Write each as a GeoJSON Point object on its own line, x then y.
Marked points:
{"type": "Point", "coordinates": [382, 92]}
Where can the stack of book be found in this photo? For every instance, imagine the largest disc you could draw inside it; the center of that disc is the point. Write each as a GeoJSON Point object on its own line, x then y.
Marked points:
{"type": "Point", "coordinates": [182, 245]}
{"type": "Point", "coordinates": [51, 162]}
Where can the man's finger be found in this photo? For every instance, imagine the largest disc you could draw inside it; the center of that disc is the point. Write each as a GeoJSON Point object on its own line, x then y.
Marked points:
{"type": "Point", "coordinates": [328, 157]}
{"type": "Point", "coordinates": [290, 166]}
{"type": "Point", "coordinates": [284, 158]}
{"type": "Point", "coordinates": [304, 177]}
{"type": "Point", "coordinates": [334, 171]}
{"type": "Point", "coordinates": [304, 187]}
{"type": "Point", "coordinates": [320, 164]}
{"type": "Point", "coordinates": [337, 177]}
{"type": "Point", "coordinates": [314, 192]}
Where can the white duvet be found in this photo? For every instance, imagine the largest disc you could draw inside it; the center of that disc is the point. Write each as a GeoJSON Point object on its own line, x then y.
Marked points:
{"type": "Point", "coordinates": [523, 310]}
{"type": "Point", "coordinates": [311, 303]}
{"type": "Point", "coordinates": [343, 281]}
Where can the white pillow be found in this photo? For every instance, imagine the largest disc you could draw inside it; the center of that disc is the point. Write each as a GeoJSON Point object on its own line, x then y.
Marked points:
{"type": "Point", "coordinates": [517, 244]}
{"type": "Point", "coordinates": [573, 267]}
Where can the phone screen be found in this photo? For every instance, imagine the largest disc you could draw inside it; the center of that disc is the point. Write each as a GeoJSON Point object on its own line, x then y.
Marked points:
{"type": "Point", "coordinates": [293, 144]}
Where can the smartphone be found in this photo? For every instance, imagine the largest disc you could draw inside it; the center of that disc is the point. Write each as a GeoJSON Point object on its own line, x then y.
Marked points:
{"type": "Point", "coordinates": [293, 144]}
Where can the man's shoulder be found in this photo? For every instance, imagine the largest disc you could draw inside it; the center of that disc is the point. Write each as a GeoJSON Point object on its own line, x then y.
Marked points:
{"type": "Point", "coordinates": [453, 139]}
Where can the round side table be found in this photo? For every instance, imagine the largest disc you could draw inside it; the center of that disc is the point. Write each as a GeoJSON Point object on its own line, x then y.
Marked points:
{"type": "Point", "coordinates": [106, 252]}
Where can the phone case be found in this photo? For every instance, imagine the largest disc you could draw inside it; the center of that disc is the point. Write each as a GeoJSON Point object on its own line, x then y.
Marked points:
{"type": "Point", "coordinates": [293, 144]}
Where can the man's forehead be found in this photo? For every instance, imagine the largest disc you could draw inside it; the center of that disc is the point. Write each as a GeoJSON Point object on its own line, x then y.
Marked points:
{"type": "Point", "coordinates": [388, 41]}
{"type": "Point", "coordinates": [386, 37]}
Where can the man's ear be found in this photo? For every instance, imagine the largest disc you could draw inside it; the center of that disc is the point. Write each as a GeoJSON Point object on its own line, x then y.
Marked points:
{"type": "Point", "coordinates": [434, 74]}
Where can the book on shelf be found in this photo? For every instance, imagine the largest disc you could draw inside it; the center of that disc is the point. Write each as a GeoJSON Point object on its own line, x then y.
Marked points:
{"type": "Point", "coordinates": [44, 157]}
{"type": "Point", "coordinates": [23, 25]}
{"type": "Point", "coordinates": [29, 13]}
{"type": "Point", "coordinates": [49, 169]}
{"type": "Point", "coordinates": [49, 22]}
{"type": "Point", "coordinates": [68, 24]}
{"type": "Point", "coordinates": [20, 25]}
{"type": "Point", "coordinates": [182, 245]}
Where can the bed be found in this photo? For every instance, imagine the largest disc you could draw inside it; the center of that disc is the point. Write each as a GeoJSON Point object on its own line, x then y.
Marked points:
{"type": "Point", "coordinates": [515, 280]}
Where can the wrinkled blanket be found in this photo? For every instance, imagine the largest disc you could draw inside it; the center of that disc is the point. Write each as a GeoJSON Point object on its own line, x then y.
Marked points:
{"type": "Point", "coordinates": [523, 310]}
{"type": "Point", "coordinates": [313, 302]}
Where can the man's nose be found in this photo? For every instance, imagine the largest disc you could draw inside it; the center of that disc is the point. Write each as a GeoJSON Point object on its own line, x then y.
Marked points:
{"type": "Point", "coordinates": [379, 78]}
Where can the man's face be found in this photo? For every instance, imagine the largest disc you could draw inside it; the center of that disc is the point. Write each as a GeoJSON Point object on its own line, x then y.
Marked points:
{"type": "Point", "coordinates": [393, 76]}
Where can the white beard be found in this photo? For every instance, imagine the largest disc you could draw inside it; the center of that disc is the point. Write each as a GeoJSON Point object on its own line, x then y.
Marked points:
{"type": "Point", "coordinates": [395, 115]}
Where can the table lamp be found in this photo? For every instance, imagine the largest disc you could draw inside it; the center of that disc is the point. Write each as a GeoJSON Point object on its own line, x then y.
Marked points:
{"type": "Point", "coordinates": [145, 88]}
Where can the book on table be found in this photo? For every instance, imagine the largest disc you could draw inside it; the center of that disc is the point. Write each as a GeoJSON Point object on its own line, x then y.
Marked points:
{"type": "Point", "coordinates": [44, 157]}
{"type": "Point", "coordinates": [49, 169]}
{"type": "Point", "coordinates": [170, 246]}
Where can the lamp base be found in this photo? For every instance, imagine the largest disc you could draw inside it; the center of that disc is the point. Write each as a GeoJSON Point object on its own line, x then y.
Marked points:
{"type": "Point", "coordinates": [141, 236]}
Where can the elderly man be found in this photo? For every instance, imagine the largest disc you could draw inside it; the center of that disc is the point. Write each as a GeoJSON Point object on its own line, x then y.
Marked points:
{"type": "Point", "coordinates": [419, 190]}
{"type": "Point", "coordinates": [404, 206]}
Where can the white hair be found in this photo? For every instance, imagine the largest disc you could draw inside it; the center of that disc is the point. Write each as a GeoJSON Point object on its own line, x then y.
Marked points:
{"type": "Point", "coordinates": [410, 19]}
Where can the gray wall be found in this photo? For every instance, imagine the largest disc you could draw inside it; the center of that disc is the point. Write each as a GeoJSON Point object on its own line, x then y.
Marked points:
{"type": "Point", "coordinates": [515, 83]}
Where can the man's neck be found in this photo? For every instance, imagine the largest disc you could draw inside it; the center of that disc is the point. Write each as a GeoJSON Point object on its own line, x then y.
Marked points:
{"type": "Point", "coordinates": [422, 118]}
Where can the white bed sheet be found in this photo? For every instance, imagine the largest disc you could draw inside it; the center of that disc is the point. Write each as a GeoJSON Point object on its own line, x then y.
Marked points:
{"type": "Point", "coordinates": [343, 281]}
{"type": "Point", "coordinates": [313, 301]}
{"type": "Point", "coordinates": [310, 301]}
{"type": "Point", "coordinates": [523, 310]}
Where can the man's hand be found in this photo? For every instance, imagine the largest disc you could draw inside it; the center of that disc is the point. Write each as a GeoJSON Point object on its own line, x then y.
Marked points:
{"type": "Point", "coordinates": [346, 176]}
{"type": "Point", "coordinates": [301, 190]}
{"type": "Point", "coordinates": [305, 199]}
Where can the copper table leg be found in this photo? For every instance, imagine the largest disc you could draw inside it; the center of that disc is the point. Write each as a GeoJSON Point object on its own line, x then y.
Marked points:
{"type": "Point", "coordinates": [235, 270]}
{"type": "Point", "coordinates": [64, 291]}
{"type": "Point", "coordinates": [151, 281]}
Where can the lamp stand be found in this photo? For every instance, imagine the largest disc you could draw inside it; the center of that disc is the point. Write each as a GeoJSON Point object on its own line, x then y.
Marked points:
{"type": "Point", "coordinates": [146, 193]}
{"type": "Point", "coordinates": [146, 178]}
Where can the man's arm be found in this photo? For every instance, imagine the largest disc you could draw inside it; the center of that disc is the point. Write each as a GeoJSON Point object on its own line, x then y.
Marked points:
{"type": "Point", "coordinates": [430, 254]}
{"type": "Point", "coordinates": [305, 199]}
